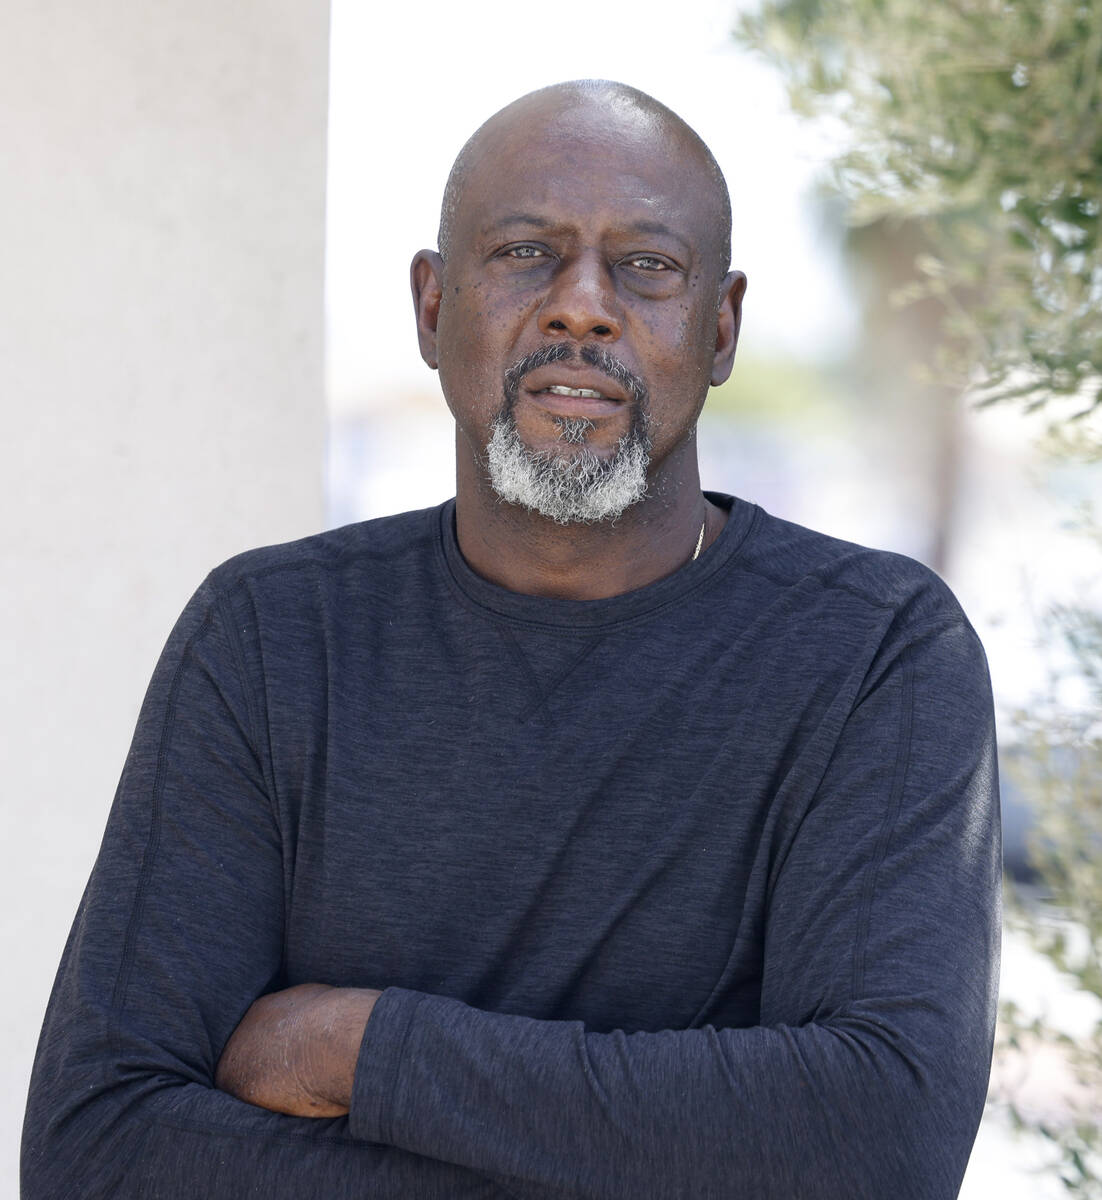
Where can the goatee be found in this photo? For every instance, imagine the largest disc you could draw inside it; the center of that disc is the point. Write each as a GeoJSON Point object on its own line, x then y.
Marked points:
{"type": "Point", "coordinates": [573, 485]}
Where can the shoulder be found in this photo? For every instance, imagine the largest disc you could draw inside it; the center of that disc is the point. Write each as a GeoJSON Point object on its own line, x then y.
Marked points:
{"type": "Point", "coordinates": [384, 540]}
{"type": "Point", "coordinates": [873, 614]}
{"type": "Point", "coordinates": [793, 556]}
{"type": "Point", "coordinates": [898, 611]}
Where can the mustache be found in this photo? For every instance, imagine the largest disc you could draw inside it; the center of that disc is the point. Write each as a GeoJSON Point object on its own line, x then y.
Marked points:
{"type": "Point", "coordinates": [593, 356]}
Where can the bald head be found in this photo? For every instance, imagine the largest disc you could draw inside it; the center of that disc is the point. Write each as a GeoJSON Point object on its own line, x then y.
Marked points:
{"type": "Point", "coordinates": [622, 110]}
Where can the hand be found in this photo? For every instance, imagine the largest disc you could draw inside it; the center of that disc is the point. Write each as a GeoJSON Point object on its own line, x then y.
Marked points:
{"type": "Point", "coordinates": [295, 1051]}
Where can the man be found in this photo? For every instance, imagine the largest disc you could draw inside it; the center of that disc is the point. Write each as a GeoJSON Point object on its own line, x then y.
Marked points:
{"type": "Point", "coordinates": [589, 836]}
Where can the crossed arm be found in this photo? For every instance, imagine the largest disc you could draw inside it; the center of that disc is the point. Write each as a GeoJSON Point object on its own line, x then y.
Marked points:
{"type": "Point", "coordinates": [855, 1096]}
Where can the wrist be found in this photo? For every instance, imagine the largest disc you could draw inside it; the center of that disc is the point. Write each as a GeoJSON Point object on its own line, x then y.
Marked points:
{"type": "Point", "coordinates": [339, 1023]}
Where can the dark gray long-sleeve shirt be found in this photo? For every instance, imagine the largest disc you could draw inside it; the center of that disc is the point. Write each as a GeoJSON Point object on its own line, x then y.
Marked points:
{"type": "Point", "coordinates": [690, 892]}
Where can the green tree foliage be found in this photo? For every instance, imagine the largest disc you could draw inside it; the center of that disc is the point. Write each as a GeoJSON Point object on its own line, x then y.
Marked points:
{"type": "Point", "coordinates": [982, 119]}
{"type": "Point", "coordinates": [979, 123]}
{"type": "Point", "coordinates": [1061, 771]}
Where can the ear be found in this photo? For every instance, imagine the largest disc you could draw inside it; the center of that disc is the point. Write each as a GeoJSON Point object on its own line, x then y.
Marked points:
{"type": "Point", "coordinates": [426, 275]}
{"type": "Point", "coordinates": [727, 326]}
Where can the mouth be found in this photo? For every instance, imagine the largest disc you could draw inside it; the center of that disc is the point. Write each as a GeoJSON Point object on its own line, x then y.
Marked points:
{"type": "Point", "coordinates": [583, 394]}
{"type": "Point", "coordinates": [560, 389]}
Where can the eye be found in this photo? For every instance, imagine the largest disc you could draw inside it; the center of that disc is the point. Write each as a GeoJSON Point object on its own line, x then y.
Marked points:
{"type": "Point", "coordinates": [523, 252]}
{"type": "Point", "coordinates": [648, 262]}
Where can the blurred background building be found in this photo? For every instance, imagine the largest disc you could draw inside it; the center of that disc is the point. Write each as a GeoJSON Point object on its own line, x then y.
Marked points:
{"type": "Point", "coordinates": [170, 212]}
{"type": "Point", "coordinates": [162, 386]}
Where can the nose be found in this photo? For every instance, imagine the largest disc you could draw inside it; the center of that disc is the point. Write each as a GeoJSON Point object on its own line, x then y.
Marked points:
{"type": "Point", "coordinates": [582, 301]}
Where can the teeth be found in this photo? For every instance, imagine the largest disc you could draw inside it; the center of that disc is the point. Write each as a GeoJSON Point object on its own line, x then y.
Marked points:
{"type": "Point", "coordinates": [557, 389]}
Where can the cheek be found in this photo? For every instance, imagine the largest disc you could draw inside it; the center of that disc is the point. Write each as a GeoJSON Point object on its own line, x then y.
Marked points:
{"type": "Point", "coordinates": [469, 345]}
{"type": "Point", "coordinates": [697, 330]}
{"type": "Point", "coordinates": [680, 349]}
{"type": "Point", "coordinates": [700, 328]}
{"type": "Point", "coordinates": [679, 352]}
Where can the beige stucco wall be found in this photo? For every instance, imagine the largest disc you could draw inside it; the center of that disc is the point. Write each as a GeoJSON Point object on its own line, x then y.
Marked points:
{"type": "Point", "coordinates": [161, 385]}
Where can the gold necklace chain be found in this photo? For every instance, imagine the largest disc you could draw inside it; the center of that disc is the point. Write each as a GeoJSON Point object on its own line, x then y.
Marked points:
{"type": "Point", "coordinates": [699, 541]}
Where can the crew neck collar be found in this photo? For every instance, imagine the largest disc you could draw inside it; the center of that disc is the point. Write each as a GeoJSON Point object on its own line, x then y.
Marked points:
{"type": "Point", "coordinates": [589, 615]}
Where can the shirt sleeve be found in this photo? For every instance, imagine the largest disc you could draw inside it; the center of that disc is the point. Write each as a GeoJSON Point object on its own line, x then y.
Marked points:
{"type": "Point", "coordinates": [867, 1073]}
{"type": "Point", "coordinates": [179, 930]}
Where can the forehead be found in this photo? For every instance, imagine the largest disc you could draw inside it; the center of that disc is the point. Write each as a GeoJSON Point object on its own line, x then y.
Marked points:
{"type": "Point", "coordinates": [591, 168]}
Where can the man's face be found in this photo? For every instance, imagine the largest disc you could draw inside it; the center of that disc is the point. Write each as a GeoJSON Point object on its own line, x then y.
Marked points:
{"type": "Point", "coordinates": [577, 321]}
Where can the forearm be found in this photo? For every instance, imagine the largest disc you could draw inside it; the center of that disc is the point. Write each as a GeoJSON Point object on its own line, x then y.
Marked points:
{"type": "Point", "coordinates": [840, 1109]}
{"type": "Point", "coordinates": [153, 1138]}
{"type": "Point", "coordinates": [295, 1050]}
{"type": "Point", "coordinates": [116, 1116]}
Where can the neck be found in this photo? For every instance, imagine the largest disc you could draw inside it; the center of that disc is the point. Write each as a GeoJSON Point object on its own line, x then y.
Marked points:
{"type": "Point", "coordinates": [526, 552]}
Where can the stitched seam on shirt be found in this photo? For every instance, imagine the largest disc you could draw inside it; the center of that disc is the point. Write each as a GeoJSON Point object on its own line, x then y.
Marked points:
{"type": "Point", "coordinates": [583, 653]}
{"type": "Point", "coordinates": [783, 582]}
{"type": "Point", "coordinates": [887, 828]}
{"type": "Point", "coordinates": [940, 622]}
{"type": "Point", "coordinates": [545, 696]}
{"type": "Point", "coordinates": [267, 770]}
{"type": "Point", "coordinates": [122, 981]}
{"type": "Point", "coordinates": [521, 659]}
{"type": "Point", "coordinates": [229, 618]}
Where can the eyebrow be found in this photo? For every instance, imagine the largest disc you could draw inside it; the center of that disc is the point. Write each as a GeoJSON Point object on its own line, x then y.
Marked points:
{"type": "Point", "coordinates": [660, 230]}
{"type": "Point", "coordinates": [519, 219]}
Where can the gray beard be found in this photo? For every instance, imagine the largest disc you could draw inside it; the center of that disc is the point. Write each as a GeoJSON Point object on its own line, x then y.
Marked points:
{"type": "Point", "coordinates": [572, 487]}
